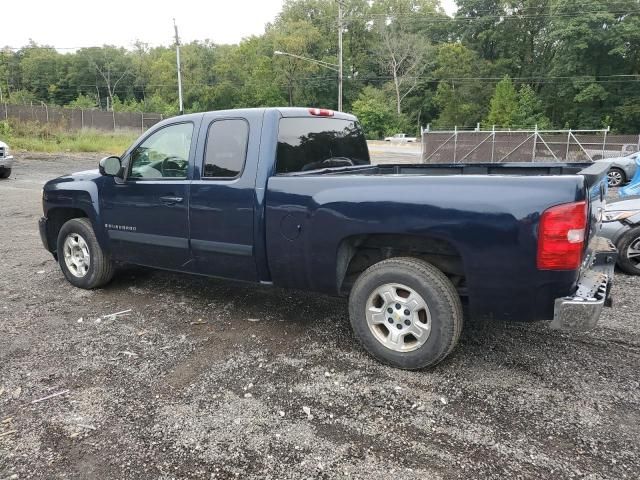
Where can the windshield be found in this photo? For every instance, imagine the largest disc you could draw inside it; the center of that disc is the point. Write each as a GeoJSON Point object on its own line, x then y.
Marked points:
{"type": "Point", "coordinates": [306, 144]}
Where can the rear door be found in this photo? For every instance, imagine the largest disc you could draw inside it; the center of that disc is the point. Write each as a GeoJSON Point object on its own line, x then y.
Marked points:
{"type": "Point", "coordinates": [223, 197]}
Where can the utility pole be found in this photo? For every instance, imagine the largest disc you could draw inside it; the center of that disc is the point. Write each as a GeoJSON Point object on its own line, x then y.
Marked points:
{"type": "Point", "coordinates": [339, 55]}
{"type": "Point", "coordinates": [179, 69]}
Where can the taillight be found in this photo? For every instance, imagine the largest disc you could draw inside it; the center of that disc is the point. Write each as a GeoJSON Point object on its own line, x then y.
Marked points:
{"type": "Point", "coordinates": [561, 236]}
{"type": "Point", "coordinates": [321, 112]}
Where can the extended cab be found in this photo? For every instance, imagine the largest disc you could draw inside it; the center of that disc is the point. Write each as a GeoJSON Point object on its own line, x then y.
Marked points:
{"type": "Point", "coordinates": [288, 197]}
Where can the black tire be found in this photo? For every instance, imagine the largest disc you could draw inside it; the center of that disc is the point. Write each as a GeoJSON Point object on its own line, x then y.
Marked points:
{"type": "Point", "coordinates": [632, 237]}
{"type": "Point", "coordinates": [616, 183]}
{"type": "Point", "coordinates": [5, 172]}
{"type": "Point", "coordinates": [437, 291]}
{"type": "Point", "coordinates": [101, 267]}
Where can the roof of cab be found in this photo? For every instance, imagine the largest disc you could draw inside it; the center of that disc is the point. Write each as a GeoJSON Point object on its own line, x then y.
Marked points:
{"type": "Point", "coordinates": [283, 111]}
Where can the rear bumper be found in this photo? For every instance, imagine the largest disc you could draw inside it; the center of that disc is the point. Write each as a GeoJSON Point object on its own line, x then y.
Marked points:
{"type": "Point", "coordinates": [582, 310]}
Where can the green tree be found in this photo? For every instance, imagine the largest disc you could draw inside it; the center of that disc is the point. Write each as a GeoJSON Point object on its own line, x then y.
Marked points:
{"type": "Point", "coordinates": [401, 50]}
{"type": "Point", "coordinates": [529, 112]}
{"type": "Point", "coordinates": [86, 102]}
{"type": "Point", "coordinates": [503, 106]}
{"type": "Point", "coordinates": [377, 115]}
{"type": "Point", "coordinates": [42, 68]}
{"type": "Point", "coordinates": [461, 100]}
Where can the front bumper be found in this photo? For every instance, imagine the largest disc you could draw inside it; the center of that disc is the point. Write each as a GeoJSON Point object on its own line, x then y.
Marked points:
{"type": "Point", "coordinates": [6, 162]}
{"type": "Point", "coordinates": [581, 311]}
{"type": "Point", "coordinates": [42, 227]}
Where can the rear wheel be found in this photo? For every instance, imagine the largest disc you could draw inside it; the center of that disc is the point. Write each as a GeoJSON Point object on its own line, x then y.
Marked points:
{"type": "Point", "coordinates": [629, 252]}
{"type": "Point", "coordinates": [5, 172]}
{"type": "Point", "coordinates": [616, 177]}
{"type": "Point", "coordinates": [82, 260]}
{"type": "Point", "coordinates": [406, 313]}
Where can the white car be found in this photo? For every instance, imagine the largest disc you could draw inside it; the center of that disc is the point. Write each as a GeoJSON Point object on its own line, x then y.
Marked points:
{"type": "Point", "coordinates": [401, 138]}
{"type": "Point", "coordinates": [6, 161]}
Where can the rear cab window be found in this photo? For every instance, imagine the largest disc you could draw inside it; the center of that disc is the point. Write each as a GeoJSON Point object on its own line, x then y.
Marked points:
{"type": "Point", "coordinates": [226, 148]}
{"type": "Point", "coordinates": [312, 143]}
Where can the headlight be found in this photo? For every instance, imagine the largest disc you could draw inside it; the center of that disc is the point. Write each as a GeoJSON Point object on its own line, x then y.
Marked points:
{"type": "Point", "coordinates": [618, 216]}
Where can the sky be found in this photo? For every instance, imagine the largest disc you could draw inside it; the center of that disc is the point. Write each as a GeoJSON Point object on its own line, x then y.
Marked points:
{"type": "Point", "coordinates": [81, 23]}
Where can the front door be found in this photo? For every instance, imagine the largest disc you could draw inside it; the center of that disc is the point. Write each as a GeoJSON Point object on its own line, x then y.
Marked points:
{"type": "Point", "coordinates": [146, 215]}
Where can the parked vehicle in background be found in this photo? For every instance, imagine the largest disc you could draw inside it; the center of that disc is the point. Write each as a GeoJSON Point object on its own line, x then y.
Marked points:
{"type": "Point", "coordinates": [622, 226]}
{"type": "Point", "coordinates": [401, 138]}
{"type": "Point", "coordinates": [288, 197]}
{"type": "Point", "coordinates": [599, 154]}
{"type": "Point", "coordinates": [6, 161]}
{"type": "Point", "coordinates": [621, 169]}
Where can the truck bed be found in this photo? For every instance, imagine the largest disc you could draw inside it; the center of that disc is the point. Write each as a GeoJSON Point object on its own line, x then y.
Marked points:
{"type": "Point", "coordinates": [591, 171]}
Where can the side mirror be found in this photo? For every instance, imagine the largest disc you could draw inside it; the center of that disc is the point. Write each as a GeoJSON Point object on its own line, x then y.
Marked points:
{"type": "Point", "coordinates": [110, 166]}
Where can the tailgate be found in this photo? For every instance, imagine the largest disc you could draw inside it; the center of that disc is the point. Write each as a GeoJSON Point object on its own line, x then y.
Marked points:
{"type": "Point", "coordinates": [595, 177]}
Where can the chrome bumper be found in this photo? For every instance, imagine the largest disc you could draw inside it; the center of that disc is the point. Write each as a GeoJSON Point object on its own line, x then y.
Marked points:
{"type": "Point", "coordinates": [581, 311]}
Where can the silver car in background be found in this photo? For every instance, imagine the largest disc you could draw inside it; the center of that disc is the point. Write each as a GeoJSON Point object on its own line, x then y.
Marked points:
{"type": "Point", "coordinates": [622, 226]}
{"type": "Point", "coordinates": [621, 169]}
{"type": "Point", "coordinates": [6, 161]}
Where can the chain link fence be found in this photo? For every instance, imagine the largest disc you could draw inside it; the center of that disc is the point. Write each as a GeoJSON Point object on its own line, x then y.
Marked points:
{"type": "Point", "coordinates": [75, 119]}
{"type": "Point", "coordinates": [496, 146]}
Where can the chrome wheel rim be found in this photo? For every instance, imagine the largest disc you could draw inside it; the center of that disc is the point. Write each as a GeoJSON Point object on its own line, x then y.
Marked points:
{"type": "Point", "coordinates": [615, 178]}
{"type": "Point", "coordinates": [398, 317]}
{"type": "Point", "coordinates": [76, 255]}
{"type": "Point", "coordinates": [633, 252]}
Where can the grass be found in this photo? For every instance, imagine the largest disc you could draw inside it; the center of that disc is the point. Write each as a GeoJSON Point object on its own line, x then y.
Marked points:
{"type": "Point", "coordinates": [35, 137]}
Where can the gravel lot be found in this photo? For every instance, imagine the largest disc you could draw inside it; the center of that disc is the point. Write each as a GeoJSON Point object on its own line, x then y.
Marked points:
{"type": "Point", "coordinates": [208, 379]}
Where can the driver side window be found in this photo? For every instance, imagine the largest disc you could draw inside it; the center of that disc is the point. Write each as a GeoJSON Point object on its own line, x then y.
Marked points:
{"type": "Point", "coordinates": [165, 154]}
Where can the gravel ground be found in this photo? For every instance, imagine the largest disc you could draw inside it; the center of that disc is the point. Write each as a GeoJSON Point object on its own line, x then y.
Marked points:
{"type": "Point", "coordinates": [208, 379]}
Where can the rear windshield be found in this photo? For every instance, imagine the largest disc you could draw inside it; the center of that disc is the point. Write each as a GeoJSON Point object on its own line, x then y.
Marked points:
{"type": "Point", "coordinates": [311, 143]}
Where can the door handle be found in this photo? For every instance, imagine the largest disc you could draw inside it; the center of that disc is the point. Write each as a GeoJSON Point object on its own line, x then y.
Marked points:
{"type": "Point", "coordinates": [171, 200]}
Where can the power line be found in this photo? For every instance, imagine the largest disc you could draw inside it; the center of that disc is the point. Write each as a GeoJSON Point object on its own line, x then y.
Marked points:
{"type": "Point", "coordinates": [428, 18]}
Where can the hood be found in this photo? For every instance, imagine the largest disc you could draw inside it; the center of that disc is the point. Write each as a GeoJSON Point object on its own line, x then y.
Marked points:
{"type": "Point", "coordinates": [76, 177]}
{"type": "Point", "coordinates": [628, 203]}
{"type": "Point", "coordinates": [618, 160]}
{"type": "Point", "coordinates": [3, 145]}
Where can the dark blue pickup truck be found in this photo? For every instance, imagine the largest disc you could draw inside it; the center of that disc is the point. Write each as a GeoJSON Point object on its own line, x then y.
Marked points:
{"type": "Point", "coordinates": [288, 197]}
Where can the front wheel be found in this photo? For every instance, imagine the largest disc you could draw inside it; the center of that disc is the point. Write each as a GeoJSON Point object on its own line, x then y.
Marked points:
{"type": "Point", "coordinates": [629, 252]}
{"type": "Point", "coordinates": [82, 260]}
{"type": "Point", "coordinates": [5, 172]}
{"type": "Point", "coordinates": [616, 177]}
{"type": "Point", "coordinates": [406, 313]}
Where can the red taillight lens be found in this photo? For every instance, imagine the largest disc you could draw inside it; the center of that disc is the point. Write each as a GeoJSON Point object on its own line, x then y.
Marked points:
{"type": "Point", "coordinates": [561, 236]}
{"type": "Point", "coordinates": [321, 112]}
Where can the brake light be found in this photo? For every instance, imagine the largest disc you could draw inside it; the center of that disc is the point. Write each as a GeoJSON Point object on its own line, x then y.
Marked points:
{"type": "Point", "coordinates": [561, 236]}
{"type": "Point", "coordinates": [321, 112]}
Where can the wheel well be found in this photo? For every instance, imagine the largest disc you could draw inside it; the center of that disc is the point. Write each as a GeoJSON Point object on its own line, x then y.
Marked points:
{"type": "Point", "coordinates": [358, 253]}
{"type": "Point", "coordinates": [57, 217]}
